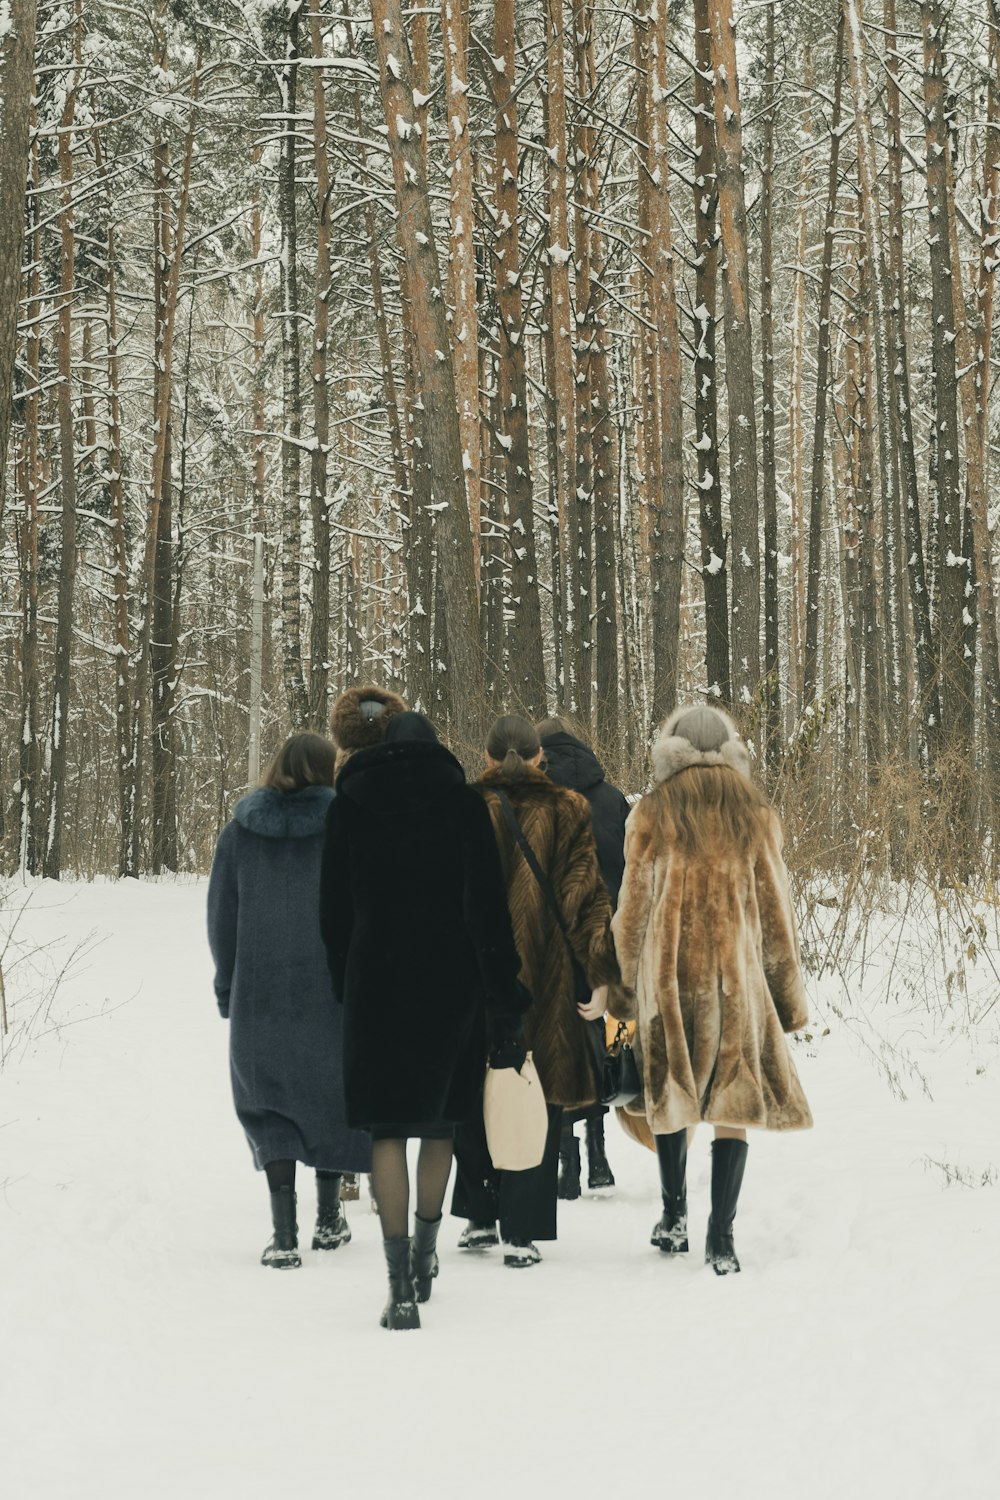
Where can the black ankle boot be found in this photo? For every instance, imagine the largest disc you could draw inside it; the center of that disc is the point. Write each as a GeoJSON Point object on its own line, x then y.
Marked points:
{"type": "Point", "coordinates": [670, 1234]}
{"type": "Point", "coordinates": [729, 1158]}
{"type": "Point", "coordinates": [423, 1255]}
{"type": "Point", "coordinates": [332, 1229]}
{"type": "Point", "coordinates": [599, 1174]}
{"type": "Point", "coordinates": [283, 1251]}
{"type": "Point", "coordinates": [400, 1311]}
{"type": "Point", "coordinates": [569, 1168]}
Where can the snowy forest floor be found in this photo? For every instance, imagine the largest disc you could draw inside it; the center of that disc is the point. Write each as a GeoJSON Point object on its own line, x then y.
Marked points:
{"type": "Point", "coordinates": [144, 1353]}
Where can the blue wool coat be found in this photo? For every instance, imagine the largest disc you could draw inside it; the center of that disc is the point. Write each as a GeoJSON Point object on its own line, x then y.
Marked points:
{"type": "Point", "coordinates": [272, 982]}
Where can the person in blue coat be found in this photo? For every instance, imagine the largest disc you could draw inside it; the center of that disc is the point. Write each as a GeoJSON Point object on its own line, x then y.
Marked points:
{"type": "Point", "coordinates": [272, 983]}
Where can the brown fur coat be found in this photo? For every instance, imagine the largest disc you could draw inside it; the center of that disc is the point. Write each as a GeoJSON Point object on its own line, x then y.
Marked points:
{"type": "Point", "coordinates": [557, 825]}
{"type": "Point", "coordinates": [709, 945]}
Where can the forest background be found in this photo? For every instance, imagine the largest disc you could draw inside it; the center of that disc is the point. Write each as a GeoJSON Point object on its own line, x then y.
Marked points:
{"type": "Point", "coordinates": [561, 355]}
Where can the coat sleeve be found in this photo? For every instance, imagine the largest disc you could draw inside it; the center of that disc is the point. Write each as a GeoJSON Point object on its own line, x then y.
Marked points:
{"type": "Point", "coordinates": [223, 912]}
{"type": "Point", "coordinates": [487, 916]}
{"type": "Point", "coordinates": [635, 901]}
{"type": "Point", "coordinates": [583, 897]}
{"type": "Point", "coordinates": [779, 935]}
{"type": "Point", "coordinates": [336, 905]}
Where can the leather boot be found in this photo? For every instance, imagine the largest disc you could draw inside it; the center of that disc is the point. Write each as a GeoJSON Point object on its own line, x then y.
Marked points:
{"type": "Point", "coordinates": [670, 1234]}
{"type": "Point", "coordinates": [283, 1251]}
{"type": "Point", "coordinates": [400, 1312]}
{"type": "Point", "coordinates": [729, 1158]}
{"type": "Point", "coordinates": [569, 1167]}
{"type": "Point", "coordinates": [599, 1174]}
{"type": "Point", "coordinates": [476, 1236]}
{"type": "Point", "coordinates": [423, 1255]}
{"type": "Point", "coordinates": [332, 1229]}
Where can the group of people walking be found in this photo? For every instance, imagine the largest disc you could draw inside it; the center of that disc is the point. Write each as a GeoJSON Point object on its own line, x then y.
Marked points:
{"type": "Point", "coordinates": [381, 929]}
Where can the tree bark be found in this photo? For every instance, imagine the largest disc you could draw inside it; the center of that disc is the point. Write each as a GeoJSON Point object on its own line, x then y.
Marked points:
{"type": "Point", "coordinates": [17, 54]}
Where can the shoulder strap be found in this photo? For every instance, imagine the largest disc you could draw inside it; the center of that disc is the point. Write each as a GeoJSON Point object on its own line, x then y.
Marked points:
{"type": "Point", "coordinates": [543, 880]}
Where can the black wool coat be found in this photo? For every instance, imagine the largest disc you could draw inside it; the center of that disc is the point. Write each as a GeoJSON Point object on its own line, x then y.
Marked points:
{"type": "Point", "coordinates": [272, 982]}
{"type": "Point", "coordinates": [569, 762]}
{"type": "Point", "coordinates": [413, 911]}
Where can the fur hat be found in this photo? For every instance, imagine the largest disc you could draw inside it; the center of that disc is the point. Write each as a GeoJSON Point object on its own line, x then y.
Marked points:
{"type": "Point", "coordinates": [696, 735]}
{"type": "Point", "coordinates": [359, 718]}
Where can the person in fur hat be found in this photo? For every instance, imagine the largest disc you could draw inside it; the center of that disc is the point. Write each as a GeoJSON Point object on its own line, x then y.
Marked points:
{"type": "Point", "coordinates": [360, 717]}
{"type": "Point", "coordinates": [706, 939]}
{"type": "Point", "coordinates": [413, 912]}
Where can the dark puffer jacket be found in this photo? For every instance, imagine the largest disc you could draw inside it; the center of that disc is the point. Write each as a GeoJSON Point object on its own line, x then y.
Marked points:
{"type": "Point", "coordinates": [271, 980]}
{"type": "Point", "coordinates": [413, 911]}
{"type": "Point", "coordinates": [569, 762]}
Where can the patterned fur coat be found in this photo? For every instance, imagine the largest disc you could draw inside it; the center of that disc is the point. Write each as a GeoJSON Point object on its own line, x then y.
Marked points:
{"type": "Point", "coordinates": [557, 825]}
{"type": "Point", "coordinates": [710, 948]}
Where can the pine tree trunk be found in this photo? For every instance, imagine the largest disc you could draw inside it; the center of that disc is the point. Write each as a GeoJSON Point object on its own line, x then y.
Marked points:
{"type": "Point", "coordinates": [743, 492]}
{"type": "Point", "coordinates": [67, 474]}
{"type": "Point", "coordinates": [714, 540]}
{"type": "Point", "coordinates": [769, 495]}
{"type": "Point", "coordinates": [29, 829]}
{"type": "Point", "coordinates": [319, 640]}
{"type": "Point", "coordinates": [17, 54]}
{"type": "Point", "coordinates": [466, 691]}
{"type": "Point", "coordinates": [815, 533]}
{"type": "Point", "coordinates": [525, 656]}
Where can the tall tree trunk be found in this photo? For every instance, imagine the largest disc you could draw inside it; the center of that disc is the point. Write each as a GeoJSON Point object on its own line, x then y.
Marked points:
{"type": "Point", "coordinates": [561, 383]}
{"type": "Point", "coordinates": [815, 533]}
{"type": "Point", "coordinates": [29, 830]}
{"type": "Point", "coordinates": [319, 641]}
{"type": "Point", "coordinates": [526, 660]}
{"type": "Point", "coordinates": [668, 502]}
{"type": "Point", "coordinates": [67, 470]}
{"type": "Point", "coordinates": [291, 370]}
{"type": "Point", "coordinates": [466, 695]}
{"type": "Point", "coordinates": [714, 540]}
{"type": "Point", "coordinates": [743, 495]}
{"type": "Point", "coordinates": [462, 260]}
{"type": "Point", "coordinates": [17, 52]}
{"type": "Point", "coordinates": [925, 651]}
{"type": "Point", "coordinates": [769, 486]}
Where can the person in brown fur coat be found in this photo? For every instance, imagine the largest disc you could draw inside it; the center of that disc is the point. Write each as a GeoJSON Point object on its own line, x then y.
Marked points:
{"type": "Point", "coordinates": [557, 825]}
{"type": "Point", "coordinates": [706, 938]}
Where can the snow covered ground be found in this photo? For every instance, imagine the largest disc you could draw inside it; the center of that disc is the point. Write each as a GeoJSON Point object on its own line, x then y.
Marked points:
{"type": "Point", "coordinates": [144, 1353]}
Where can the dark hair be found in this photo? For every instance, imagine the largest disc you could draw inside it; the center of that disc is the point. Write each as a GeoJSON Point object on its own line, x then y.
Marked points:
{"type": "Point", "coordinates": [410, 726]}
{"type": "Point", "coordinates": [562, 724]}
{"type": "Point", "coordinates": [512, 741]}
{"type": "Point", "coordinates": [304, 759]}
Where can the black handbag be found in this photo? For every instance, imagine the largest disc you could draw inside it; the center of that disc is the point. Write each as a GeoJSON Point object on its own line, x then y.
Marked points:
{"type": "Point", "coordinates": [615, 1068]}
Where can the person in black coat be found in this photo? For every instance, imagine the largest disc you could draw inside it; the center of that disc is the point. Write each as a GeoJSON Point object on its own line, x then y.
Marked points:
{"type": "Point", "coordinates": [273, 987]}
{"type": "Point", "coordinates": [569, 761]}
{"type": "Point", "coordinates": [413, 911]}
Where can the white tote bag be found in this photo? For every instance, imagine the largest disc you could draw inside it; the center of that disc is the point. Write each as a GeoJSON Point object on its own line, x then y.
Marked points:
{"type": "Point", "coordinates": [516, 1119]}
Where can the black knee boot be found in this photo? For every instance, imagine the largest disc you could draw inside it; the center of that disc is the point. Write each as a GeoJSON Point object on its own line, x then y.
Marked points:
{"type": "Point", "coordinates": [400, 1312]}
{"type": "Point", "coordinates": [670, 1234]}
{"type": "Point", "coordinates": [729, 1158]}
{"type": "Point", "coordinates": [423, 1255]}
{"type": "Point", "coordinates": [569, 1166]}
{"type": "Point", "coordinates": [283, 1251]}
{"type": "Point", "coordinates": [599, 1173]}
{"type": "Point", "coordinates": [332, 1229]}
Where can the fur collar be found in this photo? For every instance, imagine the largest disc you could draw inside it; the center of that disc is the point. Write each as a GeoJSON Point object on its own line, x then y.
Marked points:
{"type": "Point", "coordinates": [284, 815]}
{"type": "Point", "coordinates": [533, 780]}
{"type": "Point", "coordinates": [671, 753]}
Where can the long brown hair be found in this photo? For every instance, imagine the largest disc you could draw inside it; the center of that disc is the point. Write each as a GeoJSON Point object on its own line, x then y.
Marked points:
{"type": "Point", "coordinates": [704, 807]}
{"type": "Point", "coordinates": [513, 742]}
{"type": "Point", "coordinates": [304, 759]}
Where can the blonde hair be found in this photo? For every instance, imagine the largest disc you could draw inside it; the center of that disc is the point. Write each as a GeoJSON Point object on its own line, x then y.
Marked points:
{"type": "Point", "coordinates": [704, 807]}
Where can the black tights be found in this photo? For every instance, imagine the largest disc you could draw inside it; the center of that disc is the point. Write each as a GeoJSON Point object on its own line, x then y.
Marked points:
{"type": "Point", "coordinates": [391, 1182]}
{"type": "Point", "coordinates": [281, 1174]}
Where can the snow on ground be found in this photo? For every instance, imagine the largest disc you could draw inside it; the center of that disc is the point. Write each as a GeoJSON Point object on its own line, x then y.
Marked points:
{"type": "Point", "coordinates": [145, 1353]}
